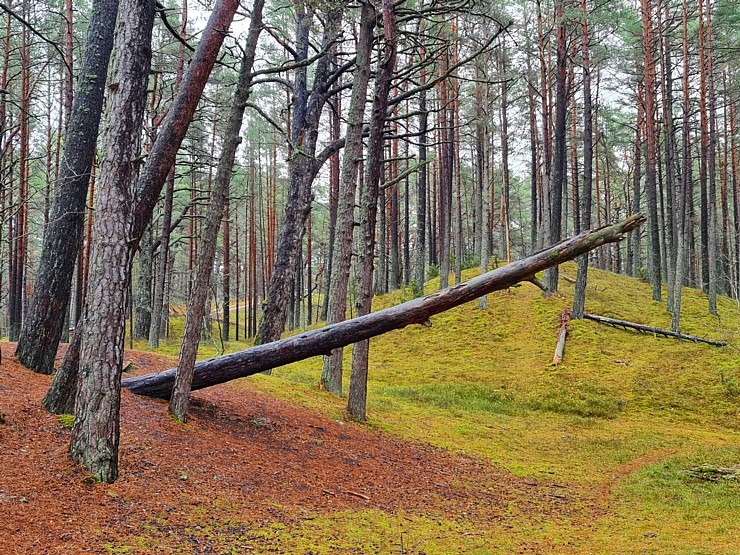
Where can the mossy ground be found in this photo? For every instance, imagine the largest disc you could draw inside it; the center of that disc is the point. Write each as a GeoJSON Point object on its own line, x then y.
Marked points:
{"type": "Point", "coordinates": [617, 422]}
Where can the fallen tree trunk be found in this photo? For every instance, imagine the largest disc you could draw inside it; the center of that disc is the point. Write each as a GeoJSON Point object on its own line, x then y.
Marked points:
{"type": "Point", "coordinates": [417, 311]}
{"type": "Point", "coordinates": [650, 329]}
{"type": "Point", "coordinates": [562, 335]}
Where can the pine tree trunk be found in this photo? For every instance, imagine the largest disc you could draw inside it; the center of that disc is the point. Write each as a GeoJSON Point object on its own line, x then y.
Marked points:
{"type": "Point", "coordinates": [684, 200]}
{"type": "Point", "coordinates": [144, 287]}
{"type": "Point", "coordinates": [557, 176]}
{"type": "Point", "coordinates": [42, 330]}
{"type": "Point", "coordinates": [421, 190]}
{"type": "Point", "coordinates": [651, 186]}
{"type": "Point", "coordinates": [713, 244]}
{"type": "Point", "coordinates": [95, 433]}
{"type": "Point", "coordinates": [306, 116]}
{"type": "Point", "coordinates": [121, 220]}
{"type": "Point", "coordinates": [357, 399]}
{"type": "Point", "coordinates": [180, 401]}
{"type": "Point", "coordinates": [331, 375]}
{"type": "Point", "coordinates": [158, 307]}
{"type": "Point", "coordinates": [579, 295]}
{"type": "Point", "coordinates": [226, 263]}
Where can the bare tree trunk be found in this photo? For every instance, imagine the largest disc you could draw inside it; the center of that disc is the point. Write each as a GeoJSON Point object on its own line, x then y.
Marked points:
{"type": "Point", "coordinates": [95, 433]}
{"type": "Point", "coordinates": [226, 263]}
{"type": "Point", "coordinates": [158, 308]}
{"type": "Point", "coordinates": [144, 287]}
{"type": "Point", "coordinates": [357, 399]}
{"type": "Point", "coordinates": [684, 201]}
{"type": "Point", "coordinates": [42, 330]}
{"type": "Point", "coordinates": [417, 311]}
{"type": "Point", "coordinates": [635, 243]}
{"type": "Point", "coordinates": [304, 165]}
{"type": "Point", "coordinates": [505, 219]}
{"type": "Point", "coordinates": [557, 176]}
{"type": "Point", "coordinates": [180, 401]}
{"type": "Point", "coordinates": [651, 187]}
{"type": "Point", "coordinates": [331, 375]}
{"type": "Point", "coordinates": [122, 220]}
{"type": "Point", "coordinates": [579, 295]}
{"type": "Point", "coordinates": [421, 188]}
{"type": "Point", "coordinates": [713, 244]}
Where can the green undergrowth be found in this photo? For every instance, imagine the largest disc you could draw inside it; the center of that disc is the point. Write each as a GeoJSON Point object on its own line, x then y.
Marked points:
{"type": "Point", "coordinates": [618, 420]}
{"type": "Point", "coordinates": [663, 509]}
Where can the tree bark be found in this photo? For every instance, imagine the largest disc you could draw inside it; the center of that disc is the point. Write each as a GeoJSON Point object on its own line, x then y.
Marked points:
{"type": "Point", "coordinates": [557, 175]}
{"type": "Point", "coordinates": [579, 295]}
{"type": "Point", "coordinates": [417, 311]}
{"type": "Point", "coordinates": [144, 287]}
{"type": "Point", "coordinates": [42, 329]}
{"type": "Point", "coordinates": [158, 306]}
{"type": "Point", "coordinates": [95, 433]}
{"type": "Point", "coordinates": [304, 165]}
{"type": "Point", "coordinates": [122, 221]}
{"type": "Point", "coordinates": [180, 401]}
{"type": "Point", "coordinates": [331, 375]}
{"type": "Point", "coordinates": [651, 188]}
{"type": "Point", "coordinates": [357, 398]}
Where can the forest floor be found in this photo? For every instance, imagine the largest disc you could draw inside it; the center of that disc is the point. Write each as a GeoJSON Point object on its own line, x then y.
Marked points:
{"type": "Point", "coordinates": [475, 444]}
{"type": "Point", "coordinates": [244, 466]}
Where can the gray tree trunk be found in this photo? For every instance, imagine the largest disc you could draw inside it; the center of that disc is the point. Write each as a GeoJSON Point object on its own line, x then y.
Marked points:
{"type": "Point", "coordinates": [180, 400]}
{"type": "Point", "coordinates": [331, 375]}
{"type": "Point", "coordinates": [144, 288]}
{"type": "Point", "coordinates": [557, 176]}
{"type": "Point", "coordinates": [304, 165]}
{"type": "Point", "coordinates": [357, 399]}
{"type": "Point", "coordinates": [579, 296]}
{"type": "Point", "coordinates": [158, 306]}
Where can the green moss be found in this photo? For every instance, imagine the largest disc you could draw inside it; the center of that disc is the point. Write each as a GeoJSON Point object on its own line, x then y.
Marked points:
{"type": "Point", "coordinates": [615, 423]}
{"type": "Point", "coordinates": [66, 420]}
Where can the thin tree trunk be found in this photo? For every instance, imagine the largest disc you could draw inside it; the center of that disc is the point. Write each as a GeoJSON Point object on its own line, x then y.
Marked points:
{"type": "Point", "coordinates": [684, 200]}
{"type": "Point", "coordinates": [635, 243]}
{"type": "Point", "coordinates": [579, 295]}
{"type": "Point", "coordinates": [557, 176]}
{"type": "Point", "coordinates": [421, 187]}
{"type": "Point", "coordinates": [144, 287]}
{"type": "Point", "coordinates": [357, 399]}
{"type": "Point", "coordinates": [713, 244]}
{"type": "Point", "coordinates": [651, 188]}
{"type": "Point", "coordinates": [331, 375]}
{"type": "Point", "coordinates": [180, 401]}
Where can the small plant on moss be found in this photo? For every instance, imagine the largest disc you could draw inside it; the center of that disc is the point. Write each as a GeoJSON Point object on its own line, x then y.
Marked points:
{"type": "Point", "coordinates": [642, 274]}
{"type": "Point", "coordinates": [67, 420]}
{"type": "Point", "coordinates": [416, 289]}
{"type": "Point", "coordinates": [730, 383]}
{"type": "Point", "coordinates": [432, 271]}
{"type": "Point", "coordinates": [470, 261]}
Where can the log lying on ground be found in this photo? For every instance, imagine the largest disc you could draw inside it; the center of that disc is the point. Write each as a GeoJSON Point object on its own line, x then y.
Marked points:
{"type": "Point", "coordinates": [560, 348]}
{"type": "Point", "coordinates": [649, 329]}
{"type": "Point", "coordinates": [417, 311]}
